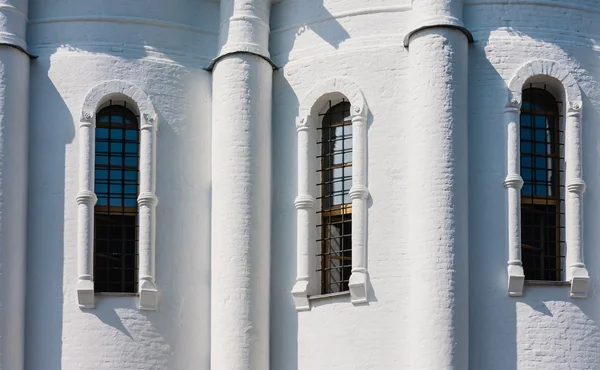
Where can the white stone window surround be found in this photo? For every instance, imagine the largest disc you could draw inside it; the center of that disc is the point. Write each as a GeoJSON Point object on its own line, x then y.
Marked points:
{"type": "Point", "coordinates": [334, 89]}
{"type": "Point", "coordinates": [137, 99]}
{"type": "Point", "coordinates": [567, 89]}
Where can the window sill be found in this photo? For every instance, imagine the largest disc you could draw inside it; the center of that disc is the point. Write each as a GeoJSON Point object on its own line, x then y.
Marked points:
{"type": "Point", "coordinates": [547, 282]}
{"type": "Point", "coordinates": [329, 295]}
{"type": "Point", "coordinates": [115, 294]}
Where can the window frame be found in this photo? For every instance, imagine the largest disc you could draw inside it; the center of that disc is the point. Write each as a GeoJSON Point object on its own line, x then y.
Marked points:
{"type": "Point", "coordinates": [557, 199]}
{"type": "Point", "coordinates": [106, 211]}
{"type": "Point", "coordinates": [147, 200]}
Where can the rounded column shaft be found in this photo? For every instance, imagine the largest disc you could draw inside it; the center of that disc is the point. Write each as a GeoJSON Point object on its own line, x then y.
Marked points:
{"type": "Point", "coordinates": [439, 200]}
{"type": "Point", "coordinates": [241, 189]}
{"type": "Point", "coordinates": [14, 95]}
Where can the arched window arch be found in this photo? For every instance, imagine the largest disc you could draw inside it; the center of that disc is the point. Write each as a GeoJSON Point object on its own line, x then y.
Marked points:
{"type": "Point", "coordinates": [116, 181]}
{"type": "Point", "coordinates": [335, 182]}
{"type": "Point", "coordinates": [542, 194]}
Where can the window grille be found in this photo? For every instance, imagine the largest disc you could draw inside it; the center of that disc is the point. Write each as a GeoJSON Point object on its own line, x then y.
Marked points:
{"type": "Point", "coordinates": [335, 175]}
{"type": "Point", "coordinates": [116, 212]}
{"type": "Point", "coordinates": [542, 194]}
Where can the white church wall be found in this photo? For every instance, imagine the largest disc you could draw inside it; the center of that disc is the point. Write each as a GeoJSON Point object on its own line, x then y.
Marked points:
{"type": "Point", "coordinates": [363, 43]}
{"type": "Point", "coordinates": [80, 46]}
{"type": "Point", "coordinates": [545, 328]}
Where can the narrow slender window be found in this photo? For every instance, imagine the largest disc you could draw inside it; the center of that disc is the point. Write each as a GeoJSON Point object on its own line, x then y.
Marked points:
{"type": "Point", "coordinates": [116, 212]}
{"type": "Point", "coordinates": [335, 175]}
{"type": "Point", "coordinates": [542, 195]}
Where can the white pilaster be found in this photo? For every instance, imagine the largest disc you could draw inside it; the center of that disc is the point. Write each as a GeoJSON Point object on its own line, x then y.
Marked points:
{"type": "Point", "coordinates": [577, 273]}
{"type": "Point", "coordinates": [86, 199]}
{"type": "Point", "coordinates": [241, 189]}
{"type": "Point", "coordinates": [513, 183]}
{"type": "Point", "coordinates": [147, 202]}
{"type": "Point", "coordinates": [305, 204]}
{"type": "Point", "coordinates": [359, 194]}
{"type": "Point", "coordinates": [14, 95]}
{"type": "Point", "coordinates": [438, 188]}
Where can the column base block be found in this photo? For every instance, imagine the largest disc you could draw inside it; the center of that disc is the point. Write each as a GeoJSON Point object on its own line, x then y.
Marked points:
{"type": "Point", "coordinates": [358, 287]}
{"type": "Point", "coordinates": [516, 280]}
{"type": "Point", "coordinates": [579, 282]}
{"type": "Point", "coordinates": [85, 294]}
{"type": "Point", "coordinates": [148, 295]}
{"type": "Point", "coordinates": [300, 295]}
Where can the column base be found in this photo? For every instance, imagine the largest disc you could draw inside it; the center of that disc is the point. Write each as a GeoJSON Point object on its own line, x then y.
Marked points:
{"type": "Point", "coordinates": [85, 294]}
{"type": "Point", "coordinates": [516, 280]}
{"type": "Point", "coordinates": [358, 287]}
{"type": "Point", "coordinates": [300, 295]}
{"type": "Point", "coordinates": [148, 295]}
{"type": "Point", "coordinates": [579, 282]}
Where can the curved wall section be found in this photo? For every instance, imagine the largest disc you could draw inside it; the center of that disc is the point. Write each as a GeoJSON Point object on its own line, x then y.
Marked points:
{"type": "Point", "coordinates": [179, 31]}
{"type": "Point", "coordinates": [533, 330]}
{"type": "Point", "coordinates": [313, 42]}
{"type": "Point", "coordinates": [116, 334]}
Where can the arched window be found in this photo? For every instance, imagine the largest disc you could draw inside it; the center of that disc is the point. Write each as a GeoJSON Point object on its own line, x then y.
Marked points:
{"type": "Point", "coordinates": [116, 212]}
{"type": "Point", "coordinates": [542, 194]}
{"type": "Point", "coordinates": [335, 174]}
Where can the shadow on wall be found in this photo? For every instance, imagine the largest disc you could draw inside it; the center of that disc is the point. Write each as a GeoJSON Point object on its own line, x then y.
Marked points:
{"type": "Point", "coordinates": [292, 19]}
{"type": "Point", "coordinates": [540, 328]}
{"type": "Point", "coordinates": [51, 130]}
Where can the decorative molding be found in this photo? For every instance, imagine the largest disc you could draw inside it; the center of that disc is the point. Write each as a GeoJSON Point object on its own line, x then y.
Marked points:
{"type": "Point", "coordinates": [576, 271]}
{"type": "Point", "coordinates": [319, 94]}
{"type": "Point", "coordinates": [345, 14]}
{"type": "Point", "coordinates": [305, 201]}
{"type": "Point", "coordinates": [543, 67]}
{"type": "Point", "coordinates": [439, 21]}
{"type": "Point", "coordinates": [124, 20]}
{"type": "Point", "coordinates": [147, 199]}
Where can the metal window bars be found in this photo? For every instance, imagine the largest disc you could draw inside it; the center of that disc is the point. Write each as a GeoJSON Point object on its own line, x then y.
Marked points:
{"type": "Point", "coordinates": [542, 194]}
{"type": "Point", "coordinates": [336, 206]}
{"type": "Point", "coordinates": [116, 212]}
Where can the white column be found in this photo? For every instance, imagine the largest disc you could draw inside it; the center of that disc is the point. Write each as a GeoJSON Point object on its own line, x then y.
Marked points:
{"type": "Point", "coordinates": [513, 183]}
{"type": "Point", "coordinates": [147, 202]}
{"type": "Point", "coordinates": [359, 194]}
{"type": "Point", "coordinates": [305, 204]}
{"type": "Point", "coordinates": [14, 97]}
{"type": "Point", "coordinates": [86, 199]}
{"type": "Point", "coordinates": [241, 189]}
{"type": "Point", "coordinates": [577, 273]}
{"type": "Point", "coordinates": [438, 188]}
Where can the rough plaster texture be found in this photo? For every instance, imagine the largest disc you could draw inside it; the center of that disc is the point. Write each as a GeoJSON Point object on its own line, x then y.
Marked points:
{"type": "Point", "coordinates": [215, 131]}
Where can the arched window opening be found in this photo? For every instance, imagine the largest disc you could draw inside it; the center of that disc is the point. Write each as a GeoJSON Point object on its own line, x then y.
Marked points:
{"type": "Point", "coordinates": [116, 212]}
{"type": "Point", "coordinates": [542, 194]}
{"type": "Point", "coordinates": [335, 174]}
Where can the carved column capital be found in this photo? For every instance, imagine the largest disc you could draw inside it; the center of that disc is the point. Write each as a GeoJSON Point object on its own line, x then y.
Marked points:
{"type": "Point", "coordinates": [574, 108]}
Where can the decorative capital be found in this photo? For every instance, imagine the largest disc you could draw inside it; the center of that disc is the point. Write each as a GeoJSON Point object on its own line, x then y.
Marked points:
{"type": "Point", "coordinates": [87, 117]}
{"type": "Point", "coordinates": [304, 202]}
{"type": "Point", "coordinates": [574, 108]}
{"type": "Point", "coordinates": [147, 199]}
{"type": "Point", "coordinates": [358, 192]}
{"type": "Point", "coordinates": [576, 186]}
{"type": "Point", "coordinates": [302, 123]}
{"type": "Point", "coordinates": [513, 104]}
{"type": "Point", "coordinates": [86, 197]}
{"type": "Point", "coordinates": [513, 181]}
{"type": "Point", "coordinates": [150, 121]}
